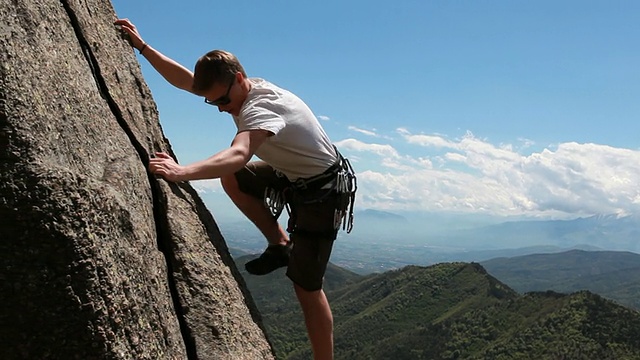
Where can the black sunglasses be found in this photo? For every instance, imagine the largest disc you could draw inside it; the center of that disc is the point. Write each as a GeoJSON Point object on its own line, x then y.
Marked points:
{"type": "Point", "coordinates": [222, 100]}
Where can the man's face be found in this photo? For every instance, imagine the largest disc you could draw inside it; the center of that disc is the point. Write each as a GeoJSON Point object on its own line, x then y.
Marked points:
{"type": "Point", "coordinates": [227, 97]}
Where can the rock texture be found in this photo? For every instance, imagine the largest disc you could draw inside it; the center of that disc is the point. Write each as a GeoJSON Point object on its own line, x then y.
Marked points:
{"type": "Point", "coordinates": [99, 260]}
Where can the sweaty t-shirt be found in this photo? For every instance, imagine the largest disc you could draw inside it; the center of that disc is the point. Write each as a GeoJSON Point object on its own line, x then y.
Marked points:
{"type": "Point", "coordinates": [299, 147]}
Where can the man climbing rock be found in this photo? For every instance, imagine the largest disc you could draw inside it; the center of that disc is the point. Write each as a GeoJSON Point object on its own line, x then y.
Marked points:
{"type": "Point", "coordinates": [300, 170]}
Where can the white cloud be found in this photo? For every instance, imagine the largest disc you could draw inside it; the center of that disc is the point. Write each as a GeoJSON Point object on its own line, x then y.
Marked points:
{"type": "Point", "coordinates": [426, 140]}
{"type": "Point", "coordinates": [362, 131]}
{"type": "Point", "coordinates": [323, 117]}
{"type": "Point", "coordinates": [474, 175]}
{"type": "Point", "coordinates": [578, 177]}
{"type": "Point", "coordinates": [526, 143]}
{"type": "Point", "coordinates": [207, 186]}
{"type": "Point", "coordinates": [359, 146]}
{"type": "Point", "coordinates": [385, 155]}
{"type": "Point", "coordinates": [455, 157]}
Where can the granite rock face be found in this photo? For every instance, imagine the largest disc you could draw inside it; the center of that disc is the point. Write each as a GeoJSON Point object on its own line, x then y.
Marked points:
{"type": "Point", "coordinates": [98, 259]}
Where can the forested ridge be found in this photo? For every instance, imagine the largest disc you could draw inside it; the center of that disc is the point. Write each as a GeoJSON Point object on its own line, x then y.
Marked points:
{"type": "Point", "coordinates": [614, 275]}
{"type": "Point", "coordinates": [450, 311]}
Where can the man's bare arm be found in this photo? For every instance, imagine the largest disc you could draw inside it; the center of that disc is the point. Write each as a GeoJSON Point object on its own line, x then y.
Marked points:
{"type": "Point", "coordinates": [225, 162]}
{"type": "Point", "coordinates": [176, 74]}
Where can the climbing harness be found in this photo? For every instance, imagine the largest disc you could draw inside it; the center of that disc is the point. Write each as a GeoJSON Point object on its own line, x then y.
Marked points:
{"type": "Point", "coordinates": [339, 179]}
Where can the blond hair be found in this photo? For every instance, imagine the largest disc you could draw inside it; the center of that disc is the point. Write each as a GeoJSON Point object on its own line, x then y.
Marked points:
{"type": "Point", "coordinates": [214, 67]}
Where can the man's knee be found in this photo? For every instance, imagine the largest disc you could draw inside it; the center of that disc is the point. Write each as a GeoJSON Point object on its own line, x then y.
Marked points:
{"type": "Point", "coordinates": [230, 184]}
{"type": "Point", "coordinates": [307, 295]}
{"type": "Point", "coordinates": [305, 286]}
{"type": "Point", "coordinates": [235, 186]}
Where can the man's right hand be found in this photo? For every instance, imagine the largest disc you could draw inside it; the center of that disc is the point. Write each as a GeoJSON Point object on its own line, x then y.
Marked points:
{"type": "Point", "coordinates": [176, 74]}
{"type": "Point", "coordinates": [130, 29]}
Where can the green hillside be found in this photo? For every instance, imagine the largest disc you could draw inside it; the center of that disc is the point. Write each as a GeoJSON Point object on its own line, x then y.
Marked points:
{"type": "Point", "coordinates": [398, 307]}
{"type": "Point", "coordinates": [611, 274]}
{"type": "Point", "coordinates": [451, 311]}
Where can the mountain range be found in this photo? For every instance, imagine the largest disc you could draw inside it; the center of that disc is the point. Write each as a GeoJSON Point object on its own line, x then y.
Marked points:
{"type": "Point", "coordinates": [612, 274]}
{"type": "Point", "coordinates": [459, 311]}
{"type": "Point", "coordinates": [383, 241]}
{"type": "Point", "coordinates": [470, 233]}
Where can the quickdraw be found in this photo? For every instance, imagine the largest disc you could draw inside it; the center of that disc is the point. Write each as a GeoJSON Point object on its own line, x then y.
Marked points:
{"type": "Point", "coordinates": [346, 187]}
{"type": "Point", "coordinates": [274, 201]}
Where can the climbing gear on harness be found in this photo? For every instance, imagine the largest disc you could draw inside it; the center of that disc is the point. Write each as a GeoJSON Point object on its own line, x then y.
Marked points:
{"type": "Point", "coordinates": [339, 180]}
{"type": "Point", "coordinates": [274, 201]}
{"type": "Point", "coordinates": [318, 181]}
{"type": "Point", "coordinates": [346, 186]}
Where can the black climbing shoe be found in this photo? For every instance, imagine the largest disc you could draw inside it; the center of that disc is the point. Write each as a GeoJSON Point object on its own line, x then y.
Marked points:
{"type": "Point", "coordinates": [276, 256]}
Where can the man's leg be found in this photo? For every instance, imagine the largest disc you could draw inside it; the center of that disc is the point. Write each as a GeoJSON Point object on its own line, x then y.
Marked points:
{"type": "Point", "coordinates": [313, 237]}
{"type": "Point", "coordinates": [319, 321]}
{"type": "Point", "coordinates": [246, 189]}
{"type": "Point", "coordinates": [253, 208]}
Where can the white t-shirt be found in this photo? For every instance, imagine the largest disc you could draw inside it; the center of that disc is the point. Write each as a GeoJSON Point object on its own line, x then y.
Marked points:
{"type": "Point", "coordinates": [299, 147]}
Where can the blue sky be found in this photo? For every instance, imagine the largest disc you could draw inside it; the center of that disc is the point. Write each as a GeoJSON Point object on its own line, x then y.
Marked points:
{"type": "Point", "coordinates": [507, 108]}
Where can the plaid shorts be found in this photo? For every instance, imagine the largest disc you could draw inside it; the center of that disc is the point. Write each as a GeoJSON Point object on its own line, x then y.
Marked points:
{"type": "Point", "coordinates": [311, 224]}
